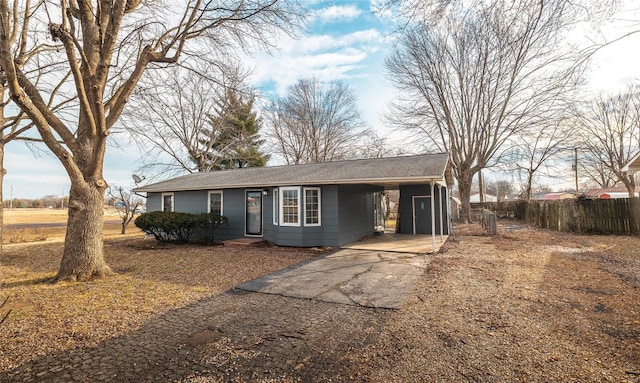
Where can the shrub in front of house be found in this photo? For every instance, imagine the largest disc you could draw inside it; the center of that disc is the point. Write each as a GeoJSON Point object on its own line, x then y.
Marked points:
{"type": "Point", "coordinates": [167, 226]}
{"type": "Point", "coordinates": [207, 224]}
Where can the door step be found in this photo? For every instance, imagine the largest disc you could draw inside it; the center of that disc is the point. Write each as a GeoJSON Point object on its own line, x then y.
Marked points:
{"type": "Point", "coordinates": [244, 242]}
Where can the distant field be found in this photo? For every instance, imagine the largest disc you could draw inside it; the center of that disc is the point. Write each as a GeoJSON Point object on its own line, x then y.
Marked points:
{"type": "Point", "coordinates": [14, 216]}
{"type": "Point", "coordinates": [47, 216]}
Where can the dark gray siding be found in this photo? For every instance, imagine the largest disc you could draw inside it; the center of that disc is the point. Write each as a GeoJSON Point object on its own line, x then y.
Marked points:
{"type": "Point", "coordinates": [330, 216]}
{"type": "Point", "coordinates": [190, 201]}
{"type": "Point", "coordinates": [154, 201]}
{"type": "Point", "coordinates": [355, 212]}
{"type": "Point", "coordinates": [196, 202]}
{"type": "Point", "coordinates": [233, 206]}
{"type": "Point", "coordinates": [407, 192]}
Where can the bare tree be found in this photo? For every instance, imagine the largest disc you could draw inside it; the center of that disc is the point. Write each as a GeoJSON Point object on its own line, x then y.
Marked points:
{"type": "Point", "coordinates": [611, 136]}
{"type": "Point", "coordinates": [534, 149]}
{"type": "Point", "coordinates": [596, 171]}
{"type": "Point", "coordinates": [372, 145]}
{"type": "Point", "coordinates": [500, 188]}
{"type": "Point", "coordinates": [315, 122]}
{"type": "Point", "coordinates": [108, 46]}
{"type": "Point", "coordinates": [171, 120]}
{"type": "Point", "coordinates": [129, 203]}
{"type": "Point", "coordinates": [473, 80]}
{"type": "Point", "coordinates": [14, 123]}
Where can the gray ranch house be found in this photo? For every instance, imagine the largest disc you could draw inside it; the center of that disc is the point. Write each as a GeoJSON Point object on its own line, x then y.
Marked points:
{"type": "Point", "coordinates": [320, 204]}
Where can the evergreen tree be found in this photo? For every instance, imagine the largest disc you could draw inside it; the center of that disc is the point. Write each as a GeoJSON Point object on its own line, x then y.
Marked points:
{"type": "Point", "coordinates": [234, 134]}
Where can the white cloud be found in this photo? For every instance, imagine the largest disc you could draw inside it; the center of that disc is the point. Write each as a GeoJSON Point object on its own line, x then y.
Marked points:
{"type": "Point", "coordinates": [324, 56]}
{"type": "Point", "coordinates": [368, 39]}
{"type": "Point", "coordinates": [336, 13]}
{"type": "Point", "coordinates": [285, 71]}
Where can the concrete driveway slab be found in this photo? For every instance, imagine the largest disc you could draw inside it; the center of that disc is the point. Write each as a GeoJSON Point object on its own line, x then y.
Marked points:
{"type": "Point", "coordinates": [356, 277]}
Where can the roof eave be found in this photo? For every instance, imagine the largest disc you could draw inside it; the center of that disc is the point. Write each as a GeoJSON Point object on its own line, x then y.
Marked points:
{"type": "Point", "coordinates": [374, 181]}
{"type": "Point", "coordinates": [633, 164]}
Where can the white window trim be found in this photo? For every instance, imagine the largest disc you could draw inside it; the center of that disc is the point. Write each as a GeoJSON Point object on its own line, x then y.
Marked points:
{"type": "Point", "coordinates": [276, 206]}
{"type": "Point", "coordinates": [221, 200]}
{"type": "Point", "coordinates": [304, 196]}
{"type": "Point", "coordinates": [281, 207]}
{"type": "Point", "coordinates": [173, 201]}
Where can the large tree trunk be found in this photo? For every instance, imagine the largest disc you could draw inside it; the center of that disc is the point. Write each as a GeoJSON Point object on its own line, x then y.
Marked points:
{"type": "Point", "coordinates": [630, 186]}
{"type": "Point", "coordinates": [83, 256]}
{"type": "Point", "coordinates": [464, 189]}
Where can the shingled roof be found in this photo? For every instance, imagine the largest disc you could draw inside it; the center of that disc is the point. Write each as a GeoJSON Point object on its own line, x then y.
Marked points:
{"type": "Point", "coordinates": [381, 171]}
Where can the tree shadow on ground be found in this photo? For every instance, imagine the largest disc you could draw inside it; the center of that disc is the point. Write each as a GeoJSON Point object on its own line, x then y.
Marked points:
{"type": "Point", "coordinates": [234, 336]}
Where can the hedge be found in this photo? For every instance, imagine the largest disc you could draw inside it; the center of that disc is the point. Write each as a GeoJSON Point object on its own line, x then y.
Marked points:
{"type": "Point", "coordinates": [168, 226]}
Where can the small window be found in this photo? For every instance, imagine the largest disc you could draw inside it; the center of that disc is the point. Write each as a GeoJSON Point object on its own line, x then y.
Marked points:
{"type": "Point", "coordinates": [215, 202]}
{"type": "Point", "coordinates": [167, 202]}
{"type": "Point", "coordinates": [312, 206]}
{"type": "Point", "coordinates": [289, 206]}
{"type": "Point", "coordinates": [276, 204]}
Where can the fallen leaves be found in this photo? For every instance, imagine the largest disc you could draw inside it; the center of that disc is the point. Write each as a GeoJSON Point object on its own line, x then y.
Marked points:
{"type": "Point", "coordinates": [527, 305]}
{"type": "Point", "coordinates": [152, 279]}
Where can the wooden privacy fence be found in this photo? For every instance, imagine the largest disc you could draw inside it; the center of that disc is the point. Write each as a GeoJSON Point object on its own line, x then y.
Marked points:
{"type": "Point", "coordinates": [489, 221]}
{"type": "Point", "coordinates": [604, 216]}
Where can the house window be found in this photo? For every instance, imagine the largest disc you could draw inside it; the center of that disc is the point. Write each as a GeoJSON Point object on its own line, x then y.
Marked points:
{"type": "Point", "coordinates": [312, 206]}
{"type": "Point", "coordinates": [276, 204]}
{"type": "Point", "coordinates": [289, 206]}
{"type": "Point", "coordinates": [167, 202]}
{"type": "Point", "coordinates": [215, 202]}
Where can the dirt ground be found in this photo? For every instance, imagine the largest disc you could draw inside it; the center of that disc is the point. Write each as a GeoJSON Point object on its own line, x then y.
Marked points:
{"type": "Point", "coordinates": [524, 306]}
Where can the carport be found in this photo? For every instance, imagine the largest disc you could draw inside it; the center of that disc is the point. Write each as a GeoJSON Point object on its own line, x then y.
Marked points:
{"type": "Point", "coordinates": [401, 243]}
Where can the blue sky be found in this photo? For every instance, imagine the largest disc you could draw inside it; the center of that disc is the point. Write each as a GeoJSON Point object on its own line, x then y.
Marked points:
{"type": "Point", "coordinates": [344, 41]}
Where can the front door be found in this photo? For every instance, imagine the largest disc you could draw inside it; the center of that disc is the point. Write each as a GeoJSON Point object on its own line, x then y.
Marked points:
{"type": "Point", "coordinates": [421, 215]}
{"type": "Point", "coordinates": [253, 217]}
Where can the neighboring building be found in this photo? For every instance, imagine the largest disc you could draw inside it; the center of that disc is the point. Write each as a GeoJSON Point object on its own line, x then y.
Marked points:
{"type": "Point", "coordinates": [475, 198]}
{"type": "Point", "coordinates": [610, 193]}
{"type": "Point", "coordinates": [321, 204]}
{"type": "Point", "coordinates": [633, 165]}
{"type": "Point", "coordinates": [558, 196]}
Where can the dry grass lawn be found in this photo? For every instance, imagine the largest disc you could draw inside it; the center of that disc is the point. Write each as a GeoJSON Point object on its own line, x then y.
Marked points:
{"type": "Point", "coordinates": [152, 279]}
{"type": "Point", "coordinates": [18, 216]}
{"type": "Point", "coordinates": [527, 305]}
{"type": "Point", "coordinates": [52, 216]}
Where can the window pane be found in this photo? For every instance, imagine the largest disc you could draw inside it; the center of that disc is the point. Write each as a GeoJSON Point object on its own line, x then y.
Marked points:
{"type": "Point", "coordinates": [167, 202]}
{"type": "Point", "coordinates": [215, 203]}
{"type": "Point", "coordinates": [290, 206]}
{"type": "Point", "coordinates": [312, 206]}
{"type": "Point", "coordinates": [276, 207]}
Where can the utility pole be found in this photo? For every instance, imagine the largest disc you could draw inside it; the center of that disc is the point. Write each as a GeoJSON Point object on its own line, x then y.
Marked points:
{"type": "Point", "coordinates": [575, 165]}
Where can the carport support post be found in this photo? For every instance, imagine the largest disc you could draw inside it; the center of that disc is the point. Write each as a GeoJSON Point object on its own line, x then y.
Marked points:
{"type": "Point", "coordinates": [440, 206]}
{"type": "Point", "coordinates": [433, 219]}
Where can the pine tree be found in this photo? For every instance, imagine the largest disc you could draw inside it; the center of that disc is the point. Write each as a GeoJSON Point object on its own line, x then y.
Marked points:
{"type": "Point", "coordinates": [234, 134]}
